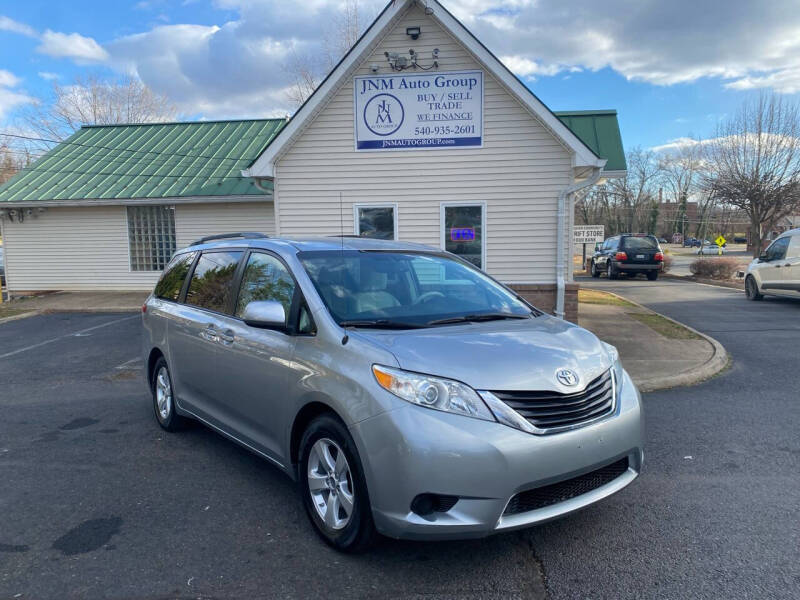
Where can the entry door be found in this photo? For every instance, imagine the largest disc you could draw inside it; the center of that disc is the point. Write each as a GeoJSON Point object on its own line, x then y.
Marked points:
{"type": "Point", "coordinates": [463, 231]}
{"type": "Point", "coordinates": [258, 363]}
{"type": "Point", "coordinates": [199, 333]}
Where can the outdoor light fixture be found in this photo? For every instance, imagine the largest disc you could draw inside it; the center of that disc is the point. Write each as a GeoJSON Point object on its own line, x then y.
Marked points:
{"type": "Point", "coordinates": [413, 32]}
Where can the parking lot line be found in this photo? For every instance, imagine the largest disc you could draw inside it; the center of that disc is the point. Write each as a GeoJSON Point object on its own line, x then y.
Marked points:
{"type": "Point", "coordinates": [61, 337]}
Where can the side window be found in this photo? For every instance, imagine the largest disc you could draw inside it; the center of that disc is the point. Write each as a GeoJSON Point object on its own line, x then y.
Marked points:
{"type": "Point", "coordinates": [793, 252]}
{"type": "Point", "coordinates": [210, 286]}
{"type": "Point", "coordinates": [305, 324]}
{"type": "Point", "coordinates": [777, 251]}
{"type": "Point", "coordinates": [170, 283]}
{"type": "Point", "coordinates": [265, 278]}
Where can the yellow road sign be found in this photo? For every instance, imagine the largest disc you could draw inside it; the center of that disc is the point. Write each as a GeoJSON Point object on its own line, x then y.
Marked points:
{"type": "Point", "coordinates": [720, 241]}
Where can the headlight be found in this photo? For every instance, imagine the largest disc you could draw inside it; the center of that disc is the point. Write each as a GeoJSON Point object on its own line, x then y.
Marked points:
{"type": "Point", "coordinates": [432, 392]}
{"type": "Point", "coordinates": [616, 365]}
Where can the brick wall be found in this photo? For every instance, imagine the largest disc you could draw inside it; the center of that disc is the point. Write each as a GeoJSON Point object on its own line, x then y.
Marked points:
{"type": "Point", "coordinates": [543, 296]}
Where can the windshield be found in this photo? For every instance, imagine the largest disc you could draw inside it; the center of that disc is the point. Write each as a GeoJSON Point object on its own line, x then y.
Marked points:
{"type": "Point", "coordinates": [397, 289]}
{"type": "Point", "coordinates": [640, 243]}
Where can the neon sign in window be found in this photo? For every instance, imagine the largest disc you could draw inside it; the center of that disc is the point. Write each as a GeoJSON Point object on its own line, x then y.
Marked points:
{"type": "Point", "coordinates": [462, 234]}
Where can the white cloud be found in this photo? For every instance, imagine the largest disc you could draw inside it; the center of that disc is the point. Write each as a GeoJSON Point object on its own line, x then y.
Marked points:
{"type": "Point", "coordinates": [7, 24]}
{"type": "Point", "coordinates": [10, 98]}
{"type": "Point", "coordinates": [48, 76]}
{"type": "Point", "coordinates": [71, 45]}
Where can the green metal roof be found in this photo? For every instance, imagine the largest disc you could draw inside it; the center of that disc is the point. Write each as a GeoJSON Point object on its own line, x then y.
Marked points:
{"type": "Point", "coordinates": [599, 130]}
{"type": "Point", "coordinates": [155, 160]}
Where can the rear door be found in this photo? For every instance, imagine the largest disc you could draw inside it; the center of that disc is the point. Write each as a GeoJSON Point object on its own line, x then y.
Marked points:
{"type": "Point", "coordinates": [641, 250]}
{"type": "Point", "coordinates": [199, 331]}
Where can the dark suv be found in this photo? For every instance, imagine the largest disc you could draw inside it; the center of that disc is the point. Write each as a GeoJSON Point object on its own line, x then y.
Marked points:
{"type": "Point", "coordinates": [631, 253]}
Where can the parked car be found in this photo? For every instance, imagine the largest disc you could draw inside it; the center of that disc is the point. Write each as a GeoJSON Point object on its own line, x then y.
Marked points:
{"type": "Point", "coordinates": [662, 241]}
{"type": "Point", "coordinates": [777, 270]}
{"type": "Point", "coordinates": [628, 253]}
{"type": "Point", "coordinates": [360, 368]}
{"type": "Point", "coordinates": [739, 240]}
{"type": "Point", "coordinates": [691, 242]}
{"type": "Point", "coordinates": [708, 248]}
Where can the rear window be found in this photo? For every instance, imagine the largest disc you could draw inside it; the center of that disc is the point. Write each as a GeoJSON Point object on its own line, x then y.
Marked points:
{"type": "Point", "coordinates": [211, 285]}
{"type": "Point", "coordinates": [640, 243]}
{"type": "Point", "coordinates": [170, 284]}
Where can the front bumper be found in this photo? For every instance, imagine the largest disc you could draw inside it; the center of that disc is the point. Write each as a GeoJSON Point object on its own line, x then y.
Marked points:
{"type": "Point", "coordinates": [415, 450]}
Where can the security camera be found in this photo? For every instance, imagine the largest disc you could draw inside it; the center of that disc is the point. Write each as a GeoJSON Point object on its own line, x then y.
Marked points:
{"type": "Point", "coordinates": [411, 51]}
{"type": "Point", "coordinates": [435, 53]}
{"type": "Point", "coordinates": [374, 68]}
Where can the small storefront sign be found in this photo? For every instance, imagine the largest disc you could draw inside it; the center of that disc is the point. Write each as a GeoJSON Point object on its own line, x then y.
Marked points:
{"type": "Point", "coordinates": [588, 234]}
{"type": "Point", "coordinates": [419, 110]}
{"type": "Point", "coordinates": [462, 234]}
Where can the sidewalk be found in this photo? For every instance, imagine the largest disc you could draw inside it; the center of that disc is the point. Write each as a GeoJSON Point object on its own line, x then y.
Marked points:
{"type": "Point", "coordinates": [74, 302]}
{"type": "Point", "coordinates": [658, 352]}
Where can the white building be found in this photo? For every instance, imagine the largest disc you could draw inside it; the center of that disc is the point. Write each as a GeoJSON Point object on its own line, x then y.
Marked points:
{"type": "Point", "coordinates": [442, 145]}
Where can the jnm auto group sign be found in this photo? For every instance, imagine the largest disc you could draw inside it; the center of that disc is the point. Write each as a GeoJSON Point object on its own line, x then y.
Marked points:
{"type": "Point", "coordinates": [419, 110]}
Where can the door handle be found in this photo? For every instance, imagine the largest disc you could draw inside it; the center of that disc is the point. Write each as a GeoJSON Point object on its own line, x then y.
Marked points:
{"type": "Point", "coordinates": [209, 333]}
{"type": "Point", "coordinates": [227, 337]}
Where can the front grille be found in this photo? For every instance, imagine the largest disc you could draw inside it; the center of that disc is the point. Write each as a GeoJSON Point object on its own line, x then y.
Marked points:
{"type": "Point", "coordinates": [564, 490]}
{"type": "Point", "coordinates": [553, 410]}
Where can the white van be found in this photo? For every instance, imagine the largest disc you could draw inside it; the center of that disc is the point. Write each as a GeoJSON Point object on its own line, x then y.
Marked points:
{"type": "Point", "coordinates": [777, 270]}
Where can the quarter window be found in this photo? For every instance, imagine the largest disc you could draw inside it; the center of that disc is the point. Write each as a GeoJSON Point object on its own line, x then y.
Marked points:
{"type": "Point", "coordinates": [210, 286]}
{"type": "Point", "coordinates": [777, 251]}
{"type": "Point", "coordinates": [265, 278]}
{"type": "Point", "coordinates": [170, 283]}
{"type": "Point", "coordinates": [376, 221]}
{"type": "Point", "coordinates": [151, 237]}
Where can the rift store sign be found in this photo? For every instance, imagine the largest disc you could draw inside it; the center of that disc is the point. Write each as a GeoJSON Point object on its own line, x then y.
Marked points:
{"type": "Point", "coordinates": [419, 110]}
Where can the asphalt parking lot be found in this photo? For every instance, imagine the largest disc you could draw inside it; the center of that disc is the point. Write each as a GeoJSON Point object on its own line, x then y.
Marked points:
{"type": "Point", "coordinates": [96, 501]}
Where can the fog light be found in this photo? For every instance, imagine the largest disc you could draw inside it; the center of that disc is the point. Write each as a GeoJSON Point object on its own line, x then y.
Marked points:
{"type": "Point", "coordinates": [426, 504]}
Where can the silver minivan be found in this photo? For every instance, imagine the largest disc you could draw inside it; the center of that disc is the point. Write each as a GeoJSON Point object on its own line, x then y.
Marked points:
{"type": "Point", "coordinates": [405, 390]}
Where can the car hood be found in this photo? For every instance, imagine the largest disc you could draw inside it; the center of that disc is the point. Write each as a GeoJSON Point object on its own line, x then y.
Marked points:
{"type": "Point", "coordinates": [498, 355]}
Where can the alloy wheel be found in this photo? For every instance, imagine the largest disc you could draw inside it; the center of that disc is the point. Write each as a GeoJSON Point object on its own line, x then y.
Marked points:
{"type": "Point", "coordinates": [163, 394]}
{"type": "Point", "coordinates": [330, 483]}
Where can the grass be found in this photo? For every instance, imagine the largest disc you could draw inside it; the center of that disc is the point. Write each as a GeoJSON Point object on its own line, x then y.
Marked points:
{"type": "Point", "coordinates": [664, 326]}
{"type": "Point", "coordinates": [597, 297]}
{"type": "Point", "coordinates": [7, 311]}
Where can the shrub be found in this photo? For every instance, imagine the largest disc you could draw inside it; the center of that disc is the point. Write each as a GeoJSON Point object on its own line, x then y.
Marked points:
{"type": "Point", "coordinates": [714, 268]}
{"type": "Point", "coordinates": [668, 260]}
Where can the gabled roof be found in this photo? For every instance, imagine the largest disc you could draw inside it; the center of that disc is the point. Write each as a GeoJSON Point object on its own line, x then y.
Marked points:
{"type": "Point", "coordinates": [156, 160]}
{"type": "Point", "coordinates": [263, 166]}
{"type": "Point", "coordinates": [599, 130]}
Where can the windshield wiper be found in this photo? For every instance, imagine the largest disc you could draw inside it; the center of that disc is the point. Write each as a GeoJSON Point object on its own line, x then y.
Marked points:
{"type": "Point", "coordinates": [380, 324]}
{"type": "Point", "coordinates": [478, 317]}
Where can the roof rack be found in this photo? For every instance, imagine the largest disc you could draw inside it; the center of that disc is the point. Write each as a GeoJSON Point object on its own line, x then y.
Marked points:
{"type": "Point", "coordinates": [249, 235]}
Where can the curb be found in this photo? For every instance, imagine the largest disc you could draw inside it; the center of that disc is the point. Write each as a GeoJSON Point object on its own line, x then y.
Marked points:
{"type": "Point", "coordinates": [711, 282]}
{"type": "Point", "coordinates": [716, 364]}
{"type": "Point", "coordinates": [24, 315]}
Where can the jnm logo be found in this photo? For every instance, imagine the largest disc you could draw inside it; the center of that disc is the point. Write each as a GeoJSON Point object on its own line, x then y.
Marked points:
{"type": "Point", "coordinates": [383, 114]}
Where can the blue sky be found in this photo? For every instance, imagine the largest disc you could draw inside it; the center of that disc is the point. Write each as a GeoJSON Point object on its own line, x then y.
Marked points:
{"type": "Point", "coordinates": [670, 69]}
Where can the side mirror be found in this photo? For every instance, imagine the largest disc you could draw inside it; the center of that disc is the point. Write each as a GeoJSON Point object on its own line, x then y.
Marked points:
{"type": "Point", "coordinates": [266, 314]}
{"type": "Point", "coordinates": [763, 257]}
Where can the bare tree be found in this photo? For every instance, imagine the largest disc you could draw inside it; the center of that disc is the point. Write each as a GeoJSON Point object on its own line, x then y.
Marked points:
{"type": "Point", "coordinates": [94, 101]}
{"type": "Point", "coordinates": [636, 192]}
{"type": "Point", "coordinates": [308, 70]}
{"type": "Point", "coordinates": [12, 161]}
{"type": "Point", "coordinates": [754, 163]}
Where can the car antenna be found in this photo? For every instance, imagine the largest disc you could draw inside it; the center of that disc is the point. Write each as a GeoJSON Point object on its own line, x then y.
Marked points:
{"type": "Point", "coordinates": [346, 337]}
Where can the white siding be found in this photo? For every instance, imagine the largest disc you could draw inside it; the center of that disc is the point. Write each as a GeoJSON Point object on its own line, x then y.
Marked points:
{"type": "Point", "coordinates": [518, 173]}
{"type": "Point", "coordinates": [86, 248]}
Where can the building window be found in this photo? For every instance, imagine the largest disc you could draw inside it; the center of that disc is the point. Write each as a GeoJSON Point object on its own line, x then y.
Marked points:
{"type": "Point", "coordinates": [464, 231]}
{"type": "Point", "coordinates": [378, 221]}
{"type": "Point", "coordinates": [151, 236]}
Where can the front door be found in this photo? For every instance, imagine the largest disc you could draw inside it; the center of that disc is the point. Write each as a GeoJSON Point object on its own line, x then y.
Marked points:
{"type": "Point", "coordinates": [773, 270]}
{"type": "Point", "coordinates": [258, 364]}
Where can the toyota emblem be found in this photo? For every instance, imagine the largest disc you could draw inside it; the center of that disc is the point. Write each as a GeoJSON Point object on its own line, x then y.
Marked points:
{"type": "Point", "coordinates": [567, 377]}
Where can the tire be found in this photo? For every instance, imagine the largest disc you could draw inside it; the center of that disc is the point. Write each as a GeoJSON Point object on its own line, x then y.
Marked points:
{"type": "Point", "coordinates": [751, 289]}
{"type": "Point", "coordinates": [347, 532]}
{"type": "Point", "coordinates": [652, 275]}
{"type": "Point", "coordinates": [612, 272]}
{"type": "Point", "coordinates": [595, 272]}
{"type": "Point", "coordinates": [164, 398]}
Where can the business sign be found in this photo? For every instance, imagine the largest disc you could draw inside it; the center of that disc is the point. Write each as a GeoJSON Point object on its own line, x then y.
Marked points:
{"type": "Point", "coordinates": [419, 110]}
{"type": "Point", "coordinates": [462, 234]}
{"type": "Point", "coordinates": [588, 234]}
